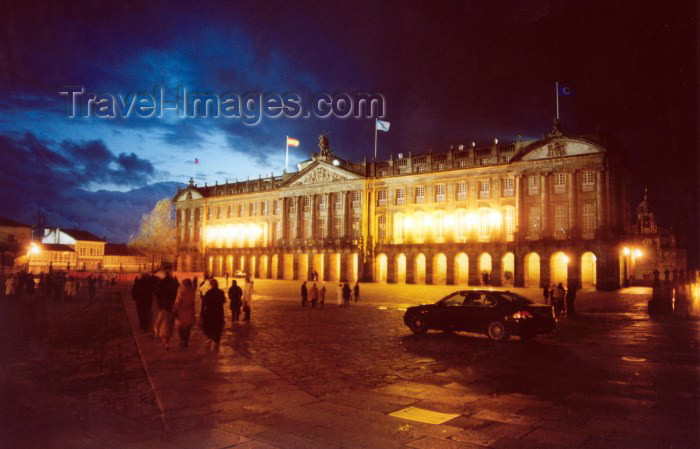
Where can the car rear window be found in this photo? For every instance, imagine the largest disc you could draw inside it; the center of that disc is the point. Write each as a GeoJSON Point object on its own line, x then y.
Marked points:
{"type": "Point", "coordinates": [515, 298]}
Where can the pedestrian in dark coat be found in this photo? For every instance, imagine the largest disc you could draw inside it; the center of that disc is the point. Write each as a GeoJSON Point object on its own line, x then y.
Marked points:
{"type": "Point", "coordinates": [235, 294]}
{"type": "Point", "coordinates": [322, 295]}
{"type": "Point", "coordinates": [346, 295]}
{"type": "Point", "coordinates": [304, 294]}
{"type": "Point", "coordinates": [213, 313]}
{"type": "Point", "coordinates": [143, 297]}
{"type": "Point", "coordinates": [165, 293]}
{"type": "Point", "coordinates": [546, 293]}
{"type": "Point", "coordinates": [356, 291]}
{"type": "Point", "coordinates": [314, 295]}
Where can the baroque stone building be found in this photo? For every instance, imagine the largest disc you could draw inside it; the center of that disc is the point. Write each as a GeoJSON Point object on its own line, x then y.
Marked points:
{"type": "Point", "coordinates": [524, 213]}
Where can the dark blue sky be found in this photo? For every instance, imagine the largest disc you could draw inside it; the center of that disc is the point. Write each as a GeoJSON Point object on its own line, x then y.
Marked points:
{"type": "Point", "coordinates": [451, 72]}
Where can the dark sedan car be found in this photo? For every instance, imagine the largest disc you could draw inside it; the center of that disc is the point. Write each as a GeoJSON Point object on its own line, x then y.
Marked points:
{"type": "Point", "coordinates": [498, 314]}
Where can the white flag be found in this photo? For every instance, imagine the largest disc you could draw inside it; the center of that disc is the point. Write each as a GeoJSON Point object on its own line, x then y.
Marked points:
{"type": "Point", "coordinates": [382, 125]}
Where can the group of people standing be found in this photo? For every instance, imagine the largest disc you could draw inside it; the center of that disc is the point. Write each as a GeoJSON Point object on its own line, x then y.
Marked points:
{"type": "Point", "coordinates": [56, 285]}
{"type": "Point", "coordinates": [318, 296]}
{"type": "Point", "coordinates": [563, 299]}
{"type": "Point", "coordinates": [176, 303]}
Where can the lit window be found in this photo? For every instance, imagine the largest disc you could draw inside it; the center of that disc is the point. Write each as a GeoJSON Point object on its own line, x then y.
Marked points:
{"type": "Point", "coordinates": [419, 227]}
{"type": "Point", "coordinates": [381, 197]}
{"type": "Point", "coordinates": [440, 225]}
{"type": "Point", "coordinates": [381, 228]}
{"type": "Point", "coordinates": [420, 194]}
{"type": "Point", "coordinates": [263, 207]}
{"type": "Point", "coordinates": [533, 184]}
{"type": "Point", "coordinates": [508, 187]}
{"type": "Point", "coordinates": [561, 218]}
{"type": "Point", "coordinates": [509, 222]}
{"type": "Point", "coordinates": [292, 205]}
{"type": "Point", "coordinates": [559, 182]}
{"type": "Point", "coordinates": [307, 204]}
{"type": "Point", "coordinates": [484, 188]}
{"type": "Point", "coordinates": [484, 224]}
{"type": "Point", "coordinates": [461, 191]}
{"type": "Point", "coordinates": [241, 210]}
{"type": "Point", "coordinates": [589, 218]}
{"type": "Point", "coordinates": [400, 196]}
{"type": "Point", "coordinates": [356, 198]}
{"type": "Point", "coordinates": [276, 206]}
{"type": "Point", "coordinates": [218, 212]}
{"type": "Point", "coordinates": [337, 227]}
{"type": "Point", "coordinates": [588, 181]}
{"type": "Point", "coordinates": [462, 164]}
{"type": "Point", "coordinates": [440, 193]}
{"type": "Point", "coordinates": [461, 225]}
{"type": "Point", "coordinates": [322, 228]}
{"type": "Point", "coordinates": [229, 211]}
{"type": "Point", "coordinates": [323, 202]}
{"type": "Point", "coordinates": [338, 200]}
{"type": "Point", "coordinates": [440, 166]}
{"type": "Point", "coordinates": [533, 220]}
{"type": "Point", "coordinates": [356, 227]}
{"type": "Point", "coordinates": [420, 168]}
{"type": "Point", "coordinates": [251, 208]}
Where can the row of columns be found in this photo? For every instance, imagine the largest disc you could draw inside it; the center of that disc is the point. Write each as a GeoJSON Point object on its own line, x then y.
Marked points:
{"type": "Point", "coordinates": [304, 218]}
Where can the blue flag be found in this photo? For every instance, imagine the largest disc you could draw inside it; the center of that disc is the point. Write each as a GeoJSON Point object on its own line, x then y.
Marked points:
{"type": "Point", "coordinates": [382, 125]}
{"type": "Point", "coordinates": [565, 91]}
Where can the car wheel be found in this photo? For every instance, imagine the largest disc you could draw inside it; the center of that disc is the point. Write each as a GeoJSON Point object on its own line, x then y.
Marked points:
{"type": "Point", "coordinates": [497, 331]}
{"type": "Point", "coordinates": [417, 325]}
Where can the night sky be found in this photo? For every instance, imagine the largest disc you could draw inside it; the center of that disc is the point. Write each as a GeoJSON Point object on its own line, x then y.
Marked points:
{"type": "Point", "coordinates": [452, 73]}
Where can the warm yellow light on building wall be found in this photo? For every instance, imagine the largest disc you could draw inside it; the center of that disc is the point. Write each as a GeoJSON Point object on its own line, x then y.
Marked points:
{"type": "Point", "coordinates": [637, 253]}
{"type": "Point", "coordinates": [450, 221]}
{"type": "Point", "coordinates": [471, 219]}
{"type": "Point", "coordinates": [626, 251]}
{"type": "Point", "coordinates": [495, 218]}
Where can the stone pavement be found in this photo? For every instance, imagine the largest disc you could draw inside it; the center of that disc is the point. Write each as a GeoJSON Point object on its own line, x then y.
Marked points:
{"type": "Point", "coordinates": [302, 378]}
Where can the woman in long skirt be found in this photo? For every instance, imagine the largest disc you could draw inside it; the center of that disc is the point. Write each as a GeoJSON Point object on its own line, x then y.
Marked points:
{"type": "Point", "coordinates": [339, 295]}
{"type": "Point", "coordinates": [213, 314]}
{"type": "Point", "coordinates": [184, 311]}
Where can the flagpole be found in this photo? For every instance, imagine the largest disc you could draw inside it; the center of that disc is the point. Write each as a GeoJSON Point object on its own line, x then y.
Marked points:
{"type": "Point", "coordinates": [556, 88]}
{"type": "Point", "coordinates": [375, 139]}
{"type": "Point", "coordinates": [194, 169]}
{"type": "Point", "coordinates": [286, 155]}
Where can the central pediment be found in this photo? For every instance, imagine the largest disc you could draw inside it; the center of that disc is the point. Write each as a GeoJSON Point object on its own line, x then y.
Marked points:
{"type": "Point", "coordinates": [322, 173]}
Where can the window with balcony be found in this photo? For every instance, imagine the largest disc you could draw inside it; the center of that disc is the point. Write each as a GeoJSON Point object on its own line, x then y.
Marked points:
{"type": "Point", "coordinates": [484, 224]}
{"type": "Point", "coordinates": [533, 184]}
{"type": "Point", "coordinates": [508, 189]}
{"type": "Point", "coordinates": [400, 196]}
{"type": "Point", "coordinates": [381, 228]}
{"type": "Point", "coordinates": [484, 189]}
{"type": "Point", "coordinates": [461, 190]}
{"type": "Point", "coordinates": [440, 193]}
{"type": "Point", "coordinates": [560, 183]}
{"type": "Point", "coordinates": [420, 194]}
{"type": "Point", "coordinates": [588, 218]}
{"type": "Point", "coordinates": [381, 197]}
{"type": "Point", "coordinates": [588, 181]}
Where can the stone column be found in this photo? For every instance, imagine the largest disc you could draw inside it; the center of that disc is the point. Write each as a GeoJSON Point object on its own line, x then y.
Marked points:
{"type": "Point", "coordinates": [326, 267]}
{"type": "Point", "coordinates": [410, 268]}
{"type": "Point", "coordinates": [428, 268]}
{"type": "Point", "coordinates": [295, 266]}
{"type": "Point", "coordinates": [343, 267]}
{"type": "Point", "coordinates": [574, 269]}
{"type": "Point", "coordinates": [391, 275]}
{"type": "Point", "coordinates": [520, 225]}
{"type": "Point", "coordinates": [600, 206]}
{"type": "Point", "coordinates": [496, 270]}
{"type": "Point", "coordinates": [573, 201]}
{"type": "Point", "coordinates": [450, 267]}
{"type": "Point", "coordinates": [268, 271]}
{"type": "Point", "coordinates": [518, 269]}
{"type": "Point", "coordinates": [545, 271]}
{"type": "Point", "coordinates": [544, 195]}
{"type": "Point", "coordinates": [280, 265]}
{"type": "Point", "coordinates": [474, 275]}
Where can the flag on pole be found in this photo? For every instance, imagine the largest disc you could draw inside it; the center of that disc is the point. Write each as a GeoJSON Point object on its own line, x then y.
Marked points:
{"type": "Point", "coordinates": [292, 142]}
{"type": "Point", "coordinates": [565, 91]}
{"type": "Point", "coordinates": [196, 161]}
{"type": "Point", "coordinates": [381, 125]}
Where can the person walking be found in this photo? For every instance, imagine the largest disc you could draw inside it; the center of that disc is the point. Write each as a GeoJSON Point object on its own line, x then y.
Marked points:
{"type": "Point", "coordinates": [322, 295]}
{"type": "Point", "coordinates": [558, 299]}
{"type": "Point", "coordinates": [165, 293]}
{"type": "Point", "coordinates": [247, 298]}
{"type": "Point", "coordinates": [339, 295]}
{"type": "Point", "coordinates": [10, 285]}
{"type": "Point", "coordinates": [235, 296]}
{"type": "Point", "coordinates": [356, 291]}
{"type": "Point", "coordinates": [346, 295]}
{"type": "Point", "coordinates": [142, 295]}
{"type": "Point", "coordinates": [314, 296]}
{"type": "Point", "coordinates": [546, 293]}
{"type": "Point", "coordinates": [213, 314]}
{"type": "Point", "coordinates": [571, 298]}
{"type": "Point", "coordinates": [91, 287]}
{"type": "Point", "coordinates": [183, 310]}
{"type": "Point", "coordinates": [304, 294]}
{"type": "Point", "coordinates": [69, 289]}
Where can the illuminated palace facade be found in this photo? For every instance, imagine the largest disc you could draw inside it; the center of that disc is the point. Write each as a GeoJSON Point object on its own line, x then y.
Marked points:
{"type": "Point", "coordinates": [523, 214]}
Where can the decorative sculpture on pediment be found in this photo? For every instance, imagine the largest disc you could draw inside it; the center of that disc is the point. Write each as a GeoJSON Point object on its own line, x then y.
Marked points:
{"type": "Point", "coordinates": [556, 149]}
{"type": "Point", "coordinates": [324, 147]}
{"type": "Point", "coordinates": [320, 176]}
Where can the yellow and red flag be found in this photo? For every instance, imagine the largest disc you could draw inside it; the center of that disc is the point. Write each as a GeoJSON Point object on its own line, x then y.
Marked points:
{"type": "Point", "coordinates": [292, 142]}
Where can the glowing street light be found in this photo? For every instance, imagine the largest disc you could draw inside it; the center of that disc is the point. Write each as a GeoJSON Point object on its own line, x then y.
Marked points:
{"type": "Point", "coordinates": [626, 251]}
{"type": "Point", "coordinates": [34, 248]}
{"type": "Point", "coordinates": [638, 253]}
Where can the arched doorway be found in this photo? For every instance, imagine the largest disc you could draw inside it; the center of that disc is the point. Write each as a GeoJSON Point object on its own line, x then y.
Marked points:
{"type": "Point", "coordinates": [288, 267]}
{"type": "Point", "coordinates": [558, 268]}
{"type": "Point", "coordinates": [507, 269]}
{"type": "Point", "coordinates": [400, 268]}
{"type": "Point", "coordinates": [419, 269]}
{"type": "Point", "coordinates": [380, 268]}
{"type": "Point", "coordinates": [440, 269]}
{"type": "Point", "coordinates": [588, 270]}
{"type": "Point", "coordinates": [262, 269]}
{"type": "Point", "coordinates": [274, 260]}
{"type": "Point", "coordinates": [485, 268]}
{"type": "Point", "coordinates": [334, 262]}
{"type": "Point", "coordinates": [461, 269]}
{"type": "Point", "coordinates": [532, 270]}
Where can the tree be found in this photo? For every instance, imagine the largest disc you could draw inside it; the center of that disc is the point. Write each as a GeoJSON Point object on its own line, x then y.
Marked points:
{"type": "Point", "coordinates": [156, 236]}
